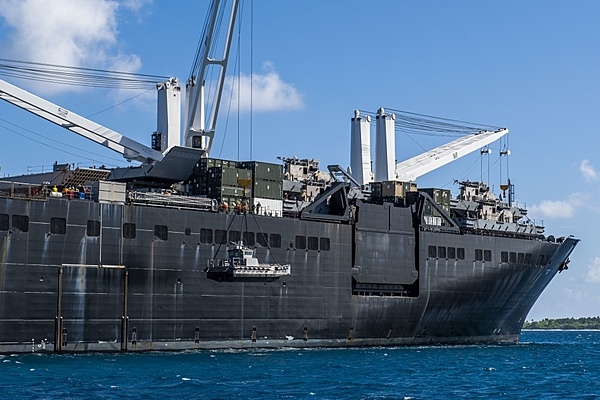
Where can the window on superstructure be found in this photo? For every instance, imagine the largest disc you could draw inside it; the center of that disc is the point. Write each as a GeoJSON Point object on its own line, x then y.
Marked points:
{"type": "Point", "coordinates": [460, 253]}
{"type": "Point", "coordinates": [234, 236]}
{"type": "Point", "coordinates": [248, 238]}
{"type": "Point", "coordinates": [4, 222]}
{"type": "Point", "coordinates": [325, 244]}
{"type": "Point", "coordinates": [441, 252]}
{"type": "Point", "coordinates": [128, 230]}
{"type": "Point", "coordinates": [540, 260]}
{"type": "Point", "coordinates": [275, 240]}
{"type": "Point", "coordinates": [161, 232]}
{"type": "Point", "coordinates": [520, 258]}
{"type": "Point", "coordinates": [20, 223]}
{"type": "Point", "coordinates": [504, 257]}
{"type": "Point", "coordinates": [262, 239]}
{"type": "Point", "coordinates": [487, 255]}
{"type": "Point", "coordinates": [528, 258]}
{"type": "Point", "coordinates": [313, 243]}
{"type": "Point", "coordinates": [188, 232]}
{"type": "Point", "coordinates": [220, 236]}
{"type": "Point", "coordinates": [432, 252]}
{"type": "Point", "coordinates": [93, 228]}
{"type": "Point", "coordinates": [58, 226]}
{"type": "Point", "coordinates": [451, 253]}
{"type": "Point", "coordinates": [512, 257]}
{"type": "Point", "coordinates": [206, 236]}
{"type": "Point", "coordinates": [478, 255]}
{"type": "Point", "coordinates": [300, 242]}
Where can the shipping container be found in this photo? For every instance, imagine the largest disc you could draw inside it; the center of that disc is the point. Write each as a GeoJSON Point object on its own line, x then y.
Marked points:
{"type": "Point", "coordinates": [262, 170]}
{"type": "Point", "coordinates": [109, 192]}
{"type": "Point", "coordinates": [227, 176]}
{"type": "Point", "coordinates": [375, 190]}
{"type": "Point", "coordinates": [220, 191]}
{"type": "Point", "coordinates": [272, 207]}
{"type": "Point", "coordinates": [440, 196]}
{"type": "Point", "coordinates": [202, 166]}
{"type": "Point", "coordinates": [268, 189]}
{"type": "Point", "coordinates": [397, 188]}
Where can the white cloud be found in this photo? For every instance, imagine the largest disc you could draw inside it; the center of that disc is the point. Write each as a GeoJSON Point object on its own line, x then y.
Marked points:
{"type": "Point", "coordinates": [264, 92]}
{"type": "Point", "coordinates": [553, 209]}
{"type": "Point", "coordinates": [557, 208]}
{"type": "Point", "coordinates": [587, 170]}
{"type": "Point", "coordinates": [593, 273]}
{"type": "Point", "coordinates": [67, 32]}
{"type": "Point", "coordinates": [135, 5]}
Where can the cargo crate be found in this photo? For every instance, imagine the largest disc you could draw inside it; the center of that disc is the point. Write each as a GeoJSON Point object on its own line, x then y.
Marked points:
{"type": "Point", "coordinates": [268, 189]}
{"type": "Point", "coordinates": [262, 170]}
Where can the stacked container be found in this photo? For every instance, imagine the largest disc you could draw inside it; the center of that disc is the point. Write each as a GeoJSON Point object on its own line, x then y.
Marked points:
{"type": "Point", "coordinates": [256, 184]}
{"type": "Point", "coordinates": [229, 184]}
{"type": "Point", "coordinates": [199, 180]}
{"type": "Point", "coordinates": [392, 191]}
{"type": "Point", "coordinates": [441, 197]}
{"type": "Point", "coordinates": [267, 188]}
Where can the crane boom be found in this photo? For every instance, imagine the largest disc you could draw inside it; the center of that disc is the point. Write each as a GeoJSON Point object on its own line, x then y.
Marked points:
{"type": "Point", "coordinates": [412, 168]}
{"type": "Point", "coordinates": [198, 132]}
{"type": "Point", "coordinates": [128, 148]}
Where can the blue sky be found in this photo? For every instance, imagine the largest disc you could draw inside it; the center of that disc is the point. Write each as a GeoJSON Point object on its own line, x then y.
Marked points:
{"type": "Point", "coordinates": [529, 66]}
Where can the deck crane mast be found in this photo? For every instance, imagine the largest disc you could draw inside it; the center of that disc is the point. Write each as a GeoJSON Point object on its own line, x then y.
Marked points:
{"type": "Point", "coordinates": [411, 169]}
{"type": "Point", "coordinates": [166, 148]}
{"type": "Point", "coordinates": [199, 132]}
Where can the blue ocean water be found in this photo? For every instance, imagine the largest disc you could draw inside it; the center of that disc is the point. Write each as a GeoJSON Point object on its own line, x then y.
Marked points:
{"type": "Point", "coordinates": [544, 365]}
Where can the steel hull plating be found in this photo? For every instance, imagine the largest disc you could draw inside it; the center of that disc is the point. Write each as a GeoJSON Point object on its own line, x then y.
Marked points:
{"type": "Point", "coordinates": [75, 292]}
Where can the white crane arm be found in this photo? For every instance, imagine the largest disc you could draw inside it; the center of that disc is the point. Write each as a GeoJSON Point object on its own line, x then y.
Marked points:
{"type": "Point", "coordinates": [196, 125]}
{"type": "Point", "coordinates": [128, 148]}
{"type": "Point", "coordinates": [412, 168]}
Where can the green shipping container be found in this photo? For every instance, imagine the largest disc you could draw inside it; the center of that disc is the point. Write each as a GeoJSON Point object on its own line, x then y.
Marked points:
{"type": "Point", "coordinates": [227, 176]}
{"type": "Point", "coordinates": [262, 170]}
{"type": "Point", "coordinates": [440, 196]}
{"type": "Point", "coordinates": [218, 192]}
{"type": "Point", "coordinates": [268, 189]}
{"type": "Point", "coordinates": [202, 166]}
{"type": "Point", "coordinates": [376, 190]}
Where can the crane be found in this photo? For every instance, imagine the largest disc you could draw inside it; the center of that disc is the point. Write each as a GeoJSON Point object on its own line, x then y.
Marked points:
{"type": "Point", "coordinates": [199, 132]}
{"type": "Point", "coordinates": [130, 149]}
{"type": "Point", "coordinates": [411, 169]}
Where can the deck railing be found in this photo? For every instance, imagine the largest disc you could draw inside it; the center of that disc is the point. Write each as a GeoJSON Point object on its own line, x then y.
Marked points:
{"type": "Point", "coordinates": [32, 191]}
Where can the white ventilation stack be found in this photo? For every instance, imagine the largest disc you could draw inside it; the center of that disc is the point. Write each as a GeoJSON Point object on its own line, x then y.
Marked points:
{"type": "Point", "coordinates": [168, 124]}
{"type": "Point", "coordinates": [385, 145]}
{"type": "Point", "coordinates": [360, 148]}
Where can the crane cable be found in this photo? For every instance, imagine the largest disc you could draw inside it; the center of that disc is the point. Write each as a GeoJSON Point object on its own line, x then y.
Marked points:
{"type": "Point", "coordinates": [79, 76]}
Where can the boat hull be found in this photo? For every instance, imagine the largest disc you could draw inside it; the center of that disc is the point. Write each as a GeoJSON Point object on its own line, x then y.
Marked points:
{"type": "Point", "coordinates": [109, 291]}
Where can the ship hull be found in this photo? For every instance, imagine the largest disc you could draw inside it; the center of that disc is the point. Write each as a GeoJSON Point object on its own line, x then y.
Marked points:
{"type": "Point", "coordinates": [373, 283]}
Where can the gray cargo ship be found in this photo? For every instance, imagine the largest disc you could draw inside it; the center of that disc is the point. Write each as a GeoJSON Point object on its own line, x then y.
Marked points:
{"type": "Point", "coordinates": [191, 252]}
